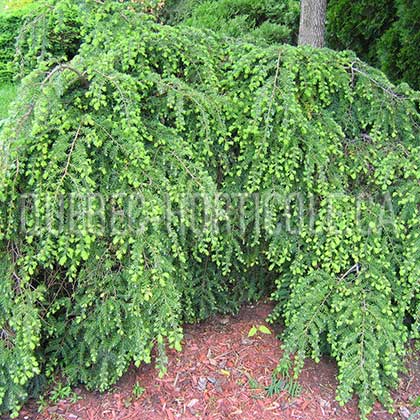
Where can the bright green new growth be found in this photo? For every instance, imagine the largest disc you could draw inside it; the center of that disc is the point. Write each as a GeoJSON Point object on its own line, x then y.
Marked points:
{"type": "Point", "coordinates": [174, 126]}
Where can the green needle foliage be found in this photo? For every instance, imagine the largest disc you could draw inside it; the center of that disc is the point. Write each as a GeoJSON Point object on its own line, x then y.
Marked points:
{"type": "Point", "coordinates": [12, 18]}
{"type": "Point", "coordinates": [164, 174]}
{"type": "Point", "coordinates": [386, 33]}
{"type": "Point", "coordinates": [269, 21]}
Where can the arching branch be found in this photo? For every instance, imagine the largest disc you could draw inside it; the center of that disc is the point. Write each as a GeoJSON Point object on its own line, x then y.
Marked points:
{"type": "Point", "coordinates": [61, 67]}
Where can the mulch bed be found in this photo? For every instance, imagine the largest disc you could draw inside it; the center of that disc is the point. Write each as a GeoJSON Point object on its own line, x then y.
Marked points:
{"type": "Point", "coordinates": [222, 374]}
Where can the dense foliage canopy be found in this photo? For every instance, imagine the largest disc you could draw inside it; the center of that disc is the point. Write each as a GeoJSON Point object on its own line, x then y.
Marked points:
{"type": "Point", "coordinates": [166, 173]}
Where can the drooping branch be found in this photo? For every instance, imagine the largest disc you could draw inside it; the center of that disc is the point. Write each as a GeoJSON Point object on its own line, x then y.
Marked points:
{"type": "Point", "coordinates": [61, 67]}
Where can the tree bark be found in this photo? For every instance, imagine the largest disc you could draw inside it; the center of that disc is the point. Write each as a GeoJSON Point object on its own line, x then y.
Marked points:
{"type": "Point", "coordinates": [312, 23]}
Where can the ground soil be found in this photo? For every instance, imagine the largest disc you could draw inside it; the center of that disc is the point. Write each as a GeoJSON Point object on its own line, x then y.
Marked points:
{"type": "Point", "coordinates": [222, 374]}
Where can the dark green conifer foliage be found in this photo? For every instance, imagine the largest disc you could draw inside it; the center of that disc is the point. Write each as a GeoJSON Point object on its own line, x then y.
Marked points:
{"type": "Point", "coordinates": [35, 32]}
{"type": "Point", "coordinates": [398, 49]}
{"type": "Point", "coordinates": [10, 25]}
{"type": "Point", "coordinates": [385, 33]}
{"type": "Point", "coordinates": [267, 21]}
{"type": "Point", "coordinates": [150, 114]}
{"type": "Point", "coordinates": [359, 26]}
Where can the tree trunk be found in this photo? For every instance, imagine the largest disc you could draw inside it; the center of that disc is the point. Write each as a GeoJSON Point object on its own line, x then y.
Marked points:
{"type": "Point", "coordinates": [312, 22]}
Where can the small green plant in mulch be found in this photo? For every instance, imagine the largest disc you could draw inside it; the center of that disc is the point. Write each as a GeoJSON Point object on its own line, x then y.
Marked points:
{"type": "Point", "coordinates": [137, 390]}
{"type": "Point", "coordinates": [62, 392]}
{"type": "Point", "coordinates": [258, 328]}
{"type": "Point", "coordinates": [253, 383]}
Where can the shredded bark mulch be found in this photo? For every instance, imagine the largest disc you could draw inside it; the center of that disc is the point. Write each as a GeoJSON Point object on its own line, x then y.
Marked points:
{"type": "Point", "coordinates": [224, 374]}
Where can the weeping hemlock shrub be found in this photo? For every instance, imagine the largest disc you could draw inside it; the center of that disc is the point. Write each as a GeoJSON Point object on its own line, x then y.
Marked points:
{"type": "Point", "coordinates": [165, 174]}
{"type": "Point", "coordinates": [8, 28]}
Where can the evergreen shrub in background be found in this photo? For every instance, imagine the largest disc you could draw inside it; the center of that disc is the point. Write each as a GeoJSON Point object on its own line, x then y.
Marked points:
{"type": "Point", "coordinates": [267, 21]}
{"type": "Point", "coordinates": [398, 49]}
{"type": "Point", "coordinates": [384, 33]}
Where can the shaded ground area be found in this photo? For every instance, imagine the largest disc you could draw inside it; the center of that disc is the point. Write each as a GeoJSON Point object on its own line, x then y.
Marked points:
{"type": "Point", "coordinates": [222, 374]}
